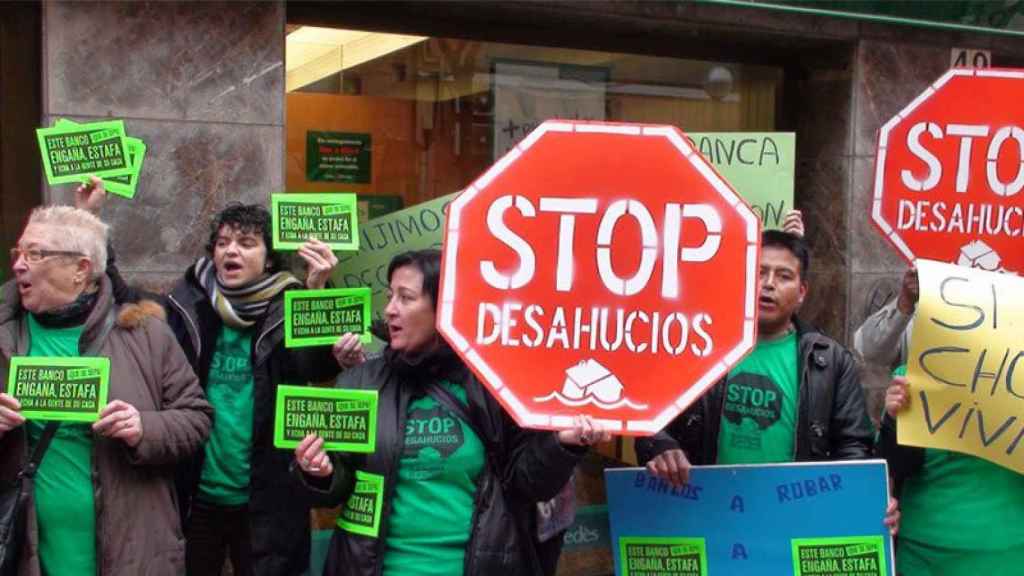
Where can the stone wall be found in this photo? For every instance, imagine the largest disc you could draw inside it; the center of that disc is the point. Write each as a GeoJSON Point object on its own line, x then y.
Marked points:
{"type": "Point", "coordinates": [202, 83]}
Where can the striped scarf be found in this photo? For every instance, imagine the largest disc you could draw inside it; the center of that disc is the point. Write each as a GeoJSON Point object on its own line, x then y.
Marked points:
{"type": "Point", "coordinates": [241, 307]}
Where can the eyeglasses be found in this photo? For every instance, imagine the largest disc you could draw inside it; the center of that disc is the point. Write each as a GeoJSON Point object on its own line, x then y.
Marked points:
{"type": "Point", "coordinates": [33, 256]}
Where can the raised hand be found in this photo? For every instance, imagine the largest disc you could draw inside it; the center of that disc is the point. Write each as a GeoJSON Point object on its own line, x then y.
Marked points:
{"type": "Point", "coordinates": [91, 195]}
{"type": "Point", "coordinates": [320, 261]}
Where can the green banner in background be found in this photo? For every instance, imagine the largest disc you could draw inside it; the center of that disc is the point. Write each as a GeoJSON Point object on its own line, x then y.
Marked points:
{"type": "Point", "coordinates": [760, 166]}
{"type": "Point", "coordinates": [414, 228]}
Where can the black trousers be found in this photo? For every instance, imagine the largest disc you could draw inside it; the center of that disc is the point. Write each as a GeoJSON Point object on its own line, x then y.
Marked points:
{"type": "Point", "coordinates": [216, 531]}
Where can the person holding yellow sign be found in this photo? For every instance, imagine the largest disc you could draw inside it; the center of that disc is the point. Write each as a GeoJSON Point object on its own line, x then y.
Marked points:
{"type": "Point", "coordinates": [961, 515]}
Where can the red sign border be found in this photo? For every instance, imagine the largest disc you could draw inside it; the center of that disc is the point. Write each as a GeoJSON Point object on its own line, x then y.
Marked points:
{"type": "Point", "coordinates": [886, 229]}
{"type": "Point", "coordinates": [498, 389]}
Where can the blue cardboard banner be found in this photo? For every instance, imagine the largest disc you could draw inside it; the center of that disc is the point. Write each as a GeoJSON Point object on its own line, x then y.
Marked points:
{"type": "Point", "coordinates": [805, 519]}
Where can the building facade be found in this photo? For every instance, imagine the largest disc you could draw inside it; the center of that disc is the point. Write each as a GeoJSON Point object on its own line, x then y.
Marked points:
{"type": "Point", "coordinates": [208, 87]}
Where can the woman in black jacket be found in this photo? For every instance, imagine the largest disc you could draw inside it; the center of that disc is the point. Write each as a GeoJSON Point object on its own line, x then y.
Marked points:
{"type": "Point", "coordinates": [453, 486]}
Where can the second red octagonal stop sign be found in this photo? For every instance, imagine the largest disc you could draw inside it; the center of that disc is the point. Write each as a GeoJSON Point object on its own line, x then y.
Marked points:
{"type": "Point", "coordinates": [602, 269]}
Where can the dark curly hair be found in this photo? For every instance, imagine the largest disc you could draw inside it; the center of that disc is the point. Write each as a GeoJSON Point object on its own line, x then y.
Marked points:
{"type": "Point", "coordinates": [248, 218]}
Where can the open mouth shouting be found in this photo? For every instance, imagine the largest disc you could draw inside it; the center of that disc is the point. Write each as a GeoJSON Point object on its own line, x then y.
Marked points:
{"type": "Point", "coordinates": [24, 287]}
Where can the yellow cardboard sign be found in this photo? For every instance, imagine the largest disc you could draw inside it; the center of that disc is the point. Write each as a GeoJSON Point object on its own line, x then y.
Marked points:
{"type": "Point", "coordinates": [966, 364]}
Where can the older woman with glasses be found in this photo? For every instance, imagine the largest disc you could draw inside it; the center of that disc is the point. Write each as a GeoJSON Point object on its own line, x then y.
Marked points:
{"type": "Point", "coordinates": [102, 501]}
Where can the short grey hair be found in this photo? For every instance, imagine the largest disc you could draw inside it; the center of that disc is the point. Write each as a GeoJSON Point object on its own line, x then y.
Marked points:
{"type": "Point", "coordinates": [75, 230]}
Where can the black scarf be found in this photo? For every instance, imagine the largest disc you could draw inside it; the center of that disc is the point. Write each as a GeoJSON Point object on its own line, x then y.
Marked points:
{"type": "Point", "coordinates": [438, 363]}
{"type": "Point", "coordinates": [72, 314]}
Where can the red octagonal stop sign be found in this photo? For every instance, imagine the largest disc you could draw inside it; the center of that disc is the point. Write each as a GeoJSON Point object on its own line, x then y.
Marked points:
{"type": "Point", "coordinates": [950, 170]}
{"type": "Point", "coordinates": [604, 269]}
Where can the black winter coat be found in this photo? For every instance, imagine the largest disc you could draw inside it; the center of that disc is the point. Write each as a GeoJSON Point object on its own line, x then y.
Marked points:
{"type": "Point", "coordinates": [279, 505]}
{"type": "Point", "coordinates": [523, 467]}
{"type": "Point", "coordinates": [832, 421]}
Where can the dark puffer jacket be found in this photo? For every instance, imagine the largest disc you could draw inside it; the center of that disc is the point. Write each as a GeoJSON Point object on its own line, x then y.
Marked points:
{"type": "Point", "coordinates": [832, 421]}
{"type": "Point", "coordinates": [278, 504]}
{"type": "Point", "coordinates": [523, 467]}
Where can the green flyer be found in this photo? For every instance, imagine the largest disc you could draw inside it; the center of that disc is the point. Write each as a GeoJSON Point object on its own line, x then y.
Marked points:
{"type": "Point", "coordinates": [120, 185]}
{"type": "Point", "coordinates": [663, 556]}
{"type": "Point", "coordinates": [842, 556]}
{"type": "Point", "coordinates": [361, 513]}
{"type": "Point", "coordinates": [71, 152]}
{"type": "Point", "coordinates": [331, 218]}
{"type": "Point", "coordinates": [319, 317]}
{"type": "Point", "coordinates": [72, 389]}
{"type": "Point", "coordinates": [338, 157]}
{"type": "Point", "coordinates": [345, 419]}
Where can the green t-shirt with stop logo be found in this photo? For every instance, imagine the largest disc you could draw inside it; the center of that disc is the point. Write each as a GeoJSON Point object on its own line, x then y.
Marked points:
{"type": "Point", "coordinates": [759, 410]}
{"type": "Point", "coordinates": [229, 388]}
{"type": "Point", "coordinates": [432, 508]}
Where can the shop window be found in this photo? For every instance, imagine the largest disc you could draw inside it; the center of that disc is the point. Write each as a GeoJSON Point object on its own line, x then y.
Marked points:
{"type": "Point", "coordinates": [406, 119]}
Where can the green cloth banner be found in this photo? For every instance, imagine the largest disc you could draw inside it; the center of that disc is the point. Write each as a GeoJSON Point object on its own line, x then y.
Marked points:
{"type": "Point", "coordinates": [319, 317]}
{"type": "Point", "coordinates": [414, 228]}
{"type": "Point", "coordinates": [760, 166]}
{"type": "Point", "coordinates": [60, 388]}
{"type": "Point", "coordinates": [120, 185]}
{"type": "Point", "coordinates": [345, 419]}
{"type": "Point", "coordinates": [73, 152]}
{"type": "Point", "coordinates": [332, 218]}
{"type": "Point", "coordinates": [338, 157]}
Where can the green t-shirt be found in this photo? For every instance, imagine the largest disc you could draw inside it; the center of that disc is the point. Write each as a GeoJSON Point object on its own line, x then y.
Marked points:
{"type": "Point", "coordinates": [225, 475]}
{"type": "Point", "coordinates": [964, 505]}
{"type": "Point", "coordinates": [759, 410]}
{"type": "Point", "coordinates": [432, 508]}
{"type": "Point", "coordinates": [65, 505]}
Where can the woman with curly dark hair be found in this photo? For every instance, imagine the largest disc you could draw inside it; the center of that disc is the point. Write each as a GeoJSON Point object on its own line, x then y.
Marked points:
{"type": "Point", "coordinates": [238, 498]}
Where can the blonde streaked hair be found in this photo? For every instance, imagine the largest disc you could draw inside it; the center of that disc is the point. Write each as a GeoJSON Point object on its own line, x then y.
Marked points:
{"type": "Point", "coordinates": [75, 230]}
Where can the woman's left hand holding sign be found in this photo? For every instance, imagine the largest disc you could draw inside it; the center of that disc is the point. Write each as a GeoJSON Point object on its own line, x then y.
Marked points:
{"type": "Point", "coordinates": [312, 457]}
{"type": "Point", "coordinates": [120, 420]}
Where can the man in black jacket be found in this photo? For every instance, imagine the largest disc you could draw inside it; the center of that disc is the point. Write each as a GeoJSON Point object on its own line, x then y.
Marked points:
{"type": "Point", "coordinates": [796, 397]}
